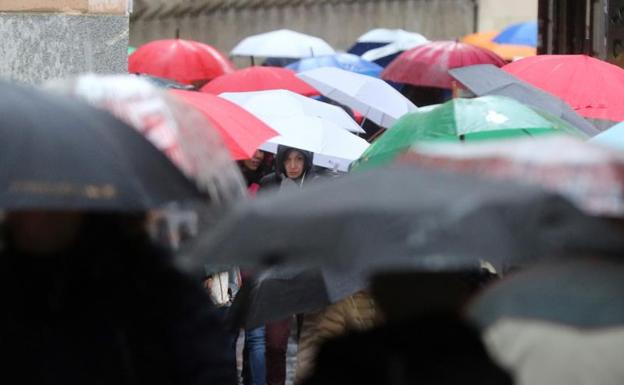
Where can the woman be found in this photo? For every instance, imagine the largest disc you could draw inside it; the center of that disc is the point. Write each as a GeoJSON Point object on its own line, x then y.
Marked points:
{"type": "Point", "coordinates": [293, 167]}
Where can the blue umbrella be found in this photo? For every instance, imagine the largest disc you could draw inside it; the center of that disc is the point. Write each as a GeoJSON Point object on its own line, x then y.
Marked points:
{"type": "Point", "coordinates": [519, 34]}
{"type": "Point", "coordinates": [345, 61]}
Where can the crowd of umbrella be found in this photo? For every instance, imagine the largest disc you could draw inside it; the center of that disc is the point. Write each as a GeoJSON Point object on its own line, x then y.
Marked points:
{"type": "Point", "coordinates": [525, 171]}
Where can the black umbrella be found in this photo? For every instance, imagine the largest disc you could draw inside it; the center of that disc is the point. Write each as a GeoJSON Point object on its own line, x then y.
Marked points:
{"type": "Point", "coordinates": [280, 292]}
{"type": "Point", "coordinates": [486, 79]}
{"type": "Point", "coordinates": [404, 215]}
{"type": "Point", "coordinates": [59, 153]}
{"type": "Point", "coordinates": [585, 293]}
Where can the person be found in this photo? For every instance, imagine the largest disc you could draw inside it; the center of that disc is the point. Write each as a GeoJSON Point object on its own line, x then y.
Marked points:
{"type": "Point", "coordinates": [293, 167]}
{"type": "Point", "coordinates": [254, 366]}
{"type": "Point", "coordinates": [254, 168]}
{"type": "Point", "coordinates": [357, 312]}
{"type": "Point", "coordinates": [89, 298]}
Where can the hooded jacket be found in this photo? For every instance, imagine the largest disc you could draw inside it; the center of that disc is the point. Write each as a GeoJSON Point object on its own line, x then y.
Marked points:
{"type": "Point", "coordinates": [275, 179]}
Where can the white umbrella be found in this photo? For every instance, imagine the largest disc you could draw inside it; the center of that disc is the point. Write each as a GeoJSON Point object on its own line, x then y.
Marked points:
{"type": "Point", "coordinates": [286, 104]}
{"type": "Point", "coordinates": [333, 147]}
{"type": "Point", "coordinates": [383, 35]}
{"type": "Point", "coordinates": [392, 49]}
{"type": "Point", "coordinates": [282, 43]}
{"type": "Point", "coordinates": [372, 97]}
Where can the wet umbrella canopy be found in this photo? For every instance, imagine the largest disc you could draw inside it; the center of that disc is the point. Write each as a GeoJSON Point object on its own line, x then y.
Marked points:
{"type": "Point", "coordinates": [483, 118]}
{"type": "Point", "coordinates": [403, 215]}
{"type": "Point", "coordinates": [58, 153]}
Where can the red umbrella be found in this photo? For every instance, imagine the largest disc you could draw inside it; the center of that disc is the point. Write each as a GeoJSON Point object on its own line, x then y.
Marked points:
{"type": "Point", "coordinates": [184, 61]}
{"type": "Point", "coordinates": [592, 87]}
{"type": "Point", "coordinates": [427, 65]}
{"type": "Point", "coordinates": [259, 79]}
{"type": "Point", "coordinates": [241, 131]}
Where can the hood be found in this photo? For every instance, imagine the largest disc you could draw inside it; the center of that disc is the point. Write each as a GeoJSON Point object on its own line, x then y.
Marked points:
{"type": "Point", "coordinates": [282, 154]}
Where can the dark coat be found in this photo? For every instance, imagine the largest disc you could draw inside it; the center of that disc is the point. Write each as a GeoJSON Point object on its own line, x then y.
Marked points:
{"type": "Point", "coordinates": [111, 311]}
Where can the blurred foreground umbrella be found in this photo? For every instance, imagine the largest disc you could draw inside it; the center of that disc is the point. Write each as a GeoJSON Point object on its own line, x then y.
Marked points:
{"type": "Point", "coordinates": [403, 216]}
{"type": "Point", "coordinates": [178, 130]}
{"type": "Point", "coordinates": [590, 86]}
{"type": "Point", "coordinates": [557, 323]}
{"type": "Point", "coordinates": [379, 37]}
{"type": "Point", "coordinates": [61, 154]}
{"type": "Point", "coordinates": [164, 83]}
{"type": "Point", "coordinates": [282, 43]}
{"type": "Point", "coordinates": [241, 131]}
{"type": "Point", "coordinates": [345, 61]}
{"type": "Point", "coordinates": [184, 61]}
{"type": "Point", "coordinates": [375, 99]}
{"type": "Point", "coordinates": [519, 34]}
{"type": "Point", "coordinates": [281, 292]}
{"type": "Point", "coordinates": [584, 293]}
{"type": "Point", "coordinates": [259, 79]}
{"type": "Point", "coordinates": [590, 176]}
{"type": "Point", "coordinates": [427, 65]}
{"type": "Point", "coordinates": [283, 104]}
{"type": "Point", "coordinates": [486, 79]}
{"type": "Point", "coordinates": [466, 120]}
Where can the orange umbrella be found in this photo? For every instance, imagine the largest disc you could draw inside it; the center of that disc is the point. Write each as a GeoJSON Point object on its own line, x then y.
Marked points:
{"type": "Point", "coordinates": [508, 52]}
{"type": "Point", "coordinates": [480, 39]}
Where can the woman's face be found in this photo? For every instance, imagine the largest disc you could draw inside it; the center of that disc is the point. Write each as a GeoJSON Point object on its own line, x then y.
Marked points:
{"type": "Point", "coordinates": [294, 164]}
{"type": "Point", "coordinates": [256, 160]}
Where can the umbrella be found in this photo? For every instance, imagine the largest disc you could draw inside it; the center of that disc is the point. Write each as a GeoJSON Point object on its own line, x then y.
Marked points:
{"type": "Point", "coordinates": [259, 79]}
{"type": "Point", "coordinates": [584, 293]}
{"type": "Point", "coordinates": [283, 104]}
{"type": "Point", "coordinates": [486, 117]}
{"type": "Point", "coordinates": [241, 131]}
{"type": "Point", "coordinates": [612, 137]}
{"type": "Point", "coordinates": [333, 147]}
{"type": "Point", "coordinates": [131, 50]}
{"type": "Point", "coordinates": [283, 291]}
{"type": "Point", "coordinates": [379, 37]}
{"type": "Point", "coordinates": [404, 216]}
{"type": "Point", "coordinates": [519, 34]}
{"type": "Point", "coordinates": [62, 154]}
{"type": "Point", "coordinates": [385, 54]}
{"type": "Point", "coordinates": [506, 51]}
{"type": "Point", "coordinates": [558, 323]}
{"type": "Point", "coordinates": [590, 176]}
{"type": "Point", "coordinates": [374, 98]}
{"type": "Point", "coordinates": [486, 79]}
{"type": "Point", "coordinates": [164, 83]}
{"type": "Point", "coordinates": [427, 65]}
{"type": "Point", "coordinates": [480, 39]}
{"type": "Point", "coordinates": [345, 61]}
{"type": "Point", "coordinates": [184, 61]}
{"type": "Point", "coordinates": [176, 129]}
{"type": "Point", "coordinates": [590, 86]}
{"type": "Point", "coordinates": [282, 43]}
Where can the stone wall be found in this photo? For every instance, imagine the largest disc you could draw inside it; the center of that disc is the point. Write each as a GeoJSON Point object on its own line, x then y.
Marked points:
{"type": "Point", "coordinates": [224, 23]}
{"type": "Point", "coordinates": [71, 37]}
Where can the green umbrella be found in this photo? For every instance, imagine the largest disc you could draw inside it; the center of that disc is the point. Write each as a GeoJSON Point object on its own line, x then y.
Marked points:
{"type": "Point", "coordinates": [487, 117]}
{"type": "Point", "coordinates": [131, 50]}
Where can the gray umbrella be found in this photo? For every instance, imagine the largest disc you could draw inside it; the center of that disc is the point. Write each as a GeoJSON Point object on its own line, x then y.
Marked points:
{"type": "Point", "coordinates": [585, 293]}
{"type": "Point", "coordinates": [405, 215]}
{"type": "Point", "coordinates": [283, 291]}
{"type": "Point", "coordinates": [486, 79]}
